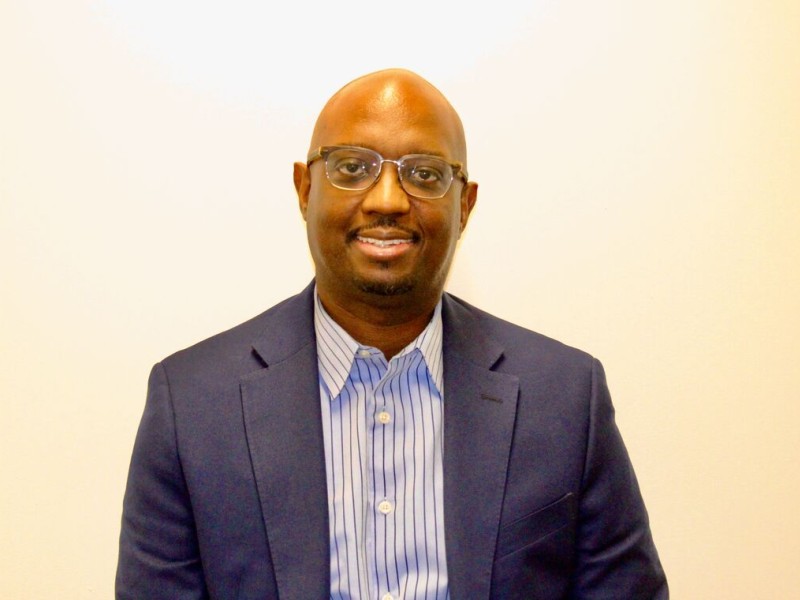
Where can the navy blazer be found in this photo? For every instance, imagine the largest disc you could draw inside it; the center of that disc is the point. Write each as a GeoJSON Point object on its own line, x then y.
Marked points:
{"type": "Point", "coordinates": [227, 497]}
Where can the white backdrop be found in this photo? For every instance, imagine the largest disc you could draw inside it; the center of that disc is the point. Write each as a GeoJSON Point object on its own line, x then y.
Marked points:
{"type": "Point", "coordinates": [639, 166]}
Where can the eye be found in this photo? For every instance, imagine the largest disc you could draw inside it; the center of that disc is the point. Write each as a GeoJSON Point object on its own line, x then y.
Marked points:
{"type": "Point", "coordinates": [426, 175]}
{"type": "Point", "coordinates": [351, 167]}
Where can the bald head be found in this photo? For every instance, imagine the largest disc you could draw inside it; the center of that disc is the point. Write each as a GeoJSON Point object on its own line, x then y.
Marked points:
{"type": "Point", "coordinates": [398, 100]}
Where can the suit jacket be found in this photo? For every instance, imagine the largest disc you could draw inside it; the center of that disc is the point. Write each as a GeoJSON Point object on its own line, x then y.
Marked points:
{"type": "Point", "coordinates": [227, 496]}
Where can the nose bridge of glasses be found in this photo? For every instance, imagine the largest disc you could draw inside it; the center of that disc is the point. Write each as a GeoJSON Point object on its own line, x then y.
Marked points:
{"type": "Point", "coordinates": [387, 194]}
{"type": "Point", "coordinates": [395, 180]}
{"type": "Point", "coordinates": [397, 164]}
{"type": "Point", "coordinates": [401, 171]}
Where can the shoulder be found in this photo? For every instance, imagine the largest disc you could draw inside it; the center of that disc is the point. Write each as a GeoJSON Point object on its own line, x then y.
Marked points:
{"type": "Point", "coordinates": [467, 320]}
{"type": "Point", "coordinates": [242, 349]}
{"type": "Point", "coordinates": [522, 349]}
{"type": "Point", "coordinates": [559, 386]}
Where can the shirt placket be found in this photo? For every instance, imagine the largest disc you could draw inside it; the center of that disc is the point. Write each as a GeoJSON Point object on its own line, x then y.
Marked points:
{"type": "Point", "coordinates": [383, 497]}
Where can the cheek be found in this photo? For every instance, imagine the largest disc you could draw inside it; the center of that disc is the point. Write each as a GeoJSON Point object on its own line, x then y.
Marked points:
{"type": "Point", "coordinates": [327, 225]}
{"type": "Point", "coordinates": [442, 222]}
{"type": "Point", "coordinates": [327, 210]}
{"type": "Point", "coordinates": [317, 223]}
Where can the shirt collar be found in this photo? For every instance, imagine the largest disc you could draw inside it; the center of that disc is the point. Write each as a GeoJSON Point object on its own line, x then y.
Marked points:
{"type": "Point", "coordinates": [336, 349]}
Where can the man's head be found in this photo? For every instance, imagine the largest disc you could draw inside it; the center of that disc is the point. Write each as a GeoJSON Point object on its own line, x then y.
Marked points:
{"type": "Point", "coordinates": [384, 245]}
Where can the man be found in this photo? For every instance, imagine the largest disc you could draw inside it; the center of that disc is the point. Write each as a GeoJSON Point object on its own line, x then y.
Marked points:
{"type": "Point", "coordinates": [373, 437]}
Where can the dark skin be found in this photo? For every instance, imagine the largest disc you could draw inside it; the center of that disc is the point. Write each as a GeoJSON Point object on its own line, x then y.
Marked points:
{"type": "Point", "coordinates": [384, 296]}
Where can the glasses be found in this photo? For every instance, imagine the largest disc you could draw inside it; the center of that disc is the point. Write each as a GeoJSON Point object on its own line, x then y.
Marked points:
{"type": "Point", "coordinates": [357, 169]}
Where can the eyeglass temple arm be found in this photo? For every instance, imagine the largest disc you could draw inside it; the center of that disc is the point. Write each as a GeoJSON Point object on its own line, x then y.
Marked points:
{"type": "Point", "coordinates": [314, 155]}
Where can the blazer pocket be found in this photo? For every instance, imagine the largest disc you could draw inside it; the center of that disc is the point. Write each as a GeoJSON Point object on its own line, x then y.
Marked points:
{"type": "Point", "coordinates": [536, 526]}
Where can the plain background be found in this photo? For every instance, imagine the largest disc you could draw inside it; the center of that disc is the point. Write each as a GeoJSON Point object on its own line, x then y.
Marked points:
{"type": "Point", "coordinates": [639, 170]}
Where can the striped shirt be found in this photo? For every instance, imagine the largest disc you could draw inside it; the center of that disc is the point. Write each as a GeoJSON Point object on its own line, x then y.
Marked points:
{"type": "Point", "coordinates": [382, 428]}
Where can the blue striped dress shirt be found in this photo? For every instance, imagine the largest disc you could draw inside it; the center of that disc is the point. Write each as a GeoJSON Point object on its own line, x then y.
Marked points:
{"type": "Point", "coordinates": [382, 428]}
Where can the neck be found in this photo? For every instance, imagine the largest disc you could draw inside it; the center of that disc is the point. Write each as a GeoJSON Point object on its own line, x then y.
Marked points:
{"type": "Point", "coordinates": [388, 328]}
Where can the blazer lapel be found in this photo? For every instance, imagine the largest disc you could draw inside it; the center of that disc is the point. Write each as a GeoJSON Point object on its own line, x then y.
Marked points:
{"type": "Point", "coordinates": [283, 424]}
{"type": "Point", "coordinates": [479, 414]}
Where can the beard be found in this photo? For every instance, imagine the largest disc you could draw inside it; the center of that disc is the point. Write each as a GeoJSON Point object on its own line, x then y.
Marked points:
{"type": "Point", "coordinates": [385, 288]}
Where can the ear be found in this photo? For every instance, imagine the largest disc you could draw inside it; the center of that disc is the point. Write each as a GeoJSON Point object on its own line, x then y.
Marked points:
{"type": "Point", "coordinates": [302, 183]}
{"type": "Point", "coordinates": [469, 196]}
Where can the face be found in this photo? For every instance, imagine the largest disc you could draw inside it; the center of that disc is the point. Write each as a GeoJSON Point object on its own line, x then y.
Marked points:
{"type": "Point", "coordinates": [382, 243]}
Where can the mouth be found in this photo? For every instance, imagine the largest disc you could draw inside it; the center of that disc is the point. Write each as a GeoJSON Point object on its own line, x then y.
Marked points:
{"type": "Point", "coordinates": [384, 243]}
{"type": "Point", "coordinates": [381, 243]}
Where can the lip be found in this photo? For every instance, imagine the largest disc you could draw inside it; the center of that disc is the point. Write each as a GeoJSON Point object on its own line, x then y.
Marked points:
{"type": "Point", "coordinates": [383, 248]}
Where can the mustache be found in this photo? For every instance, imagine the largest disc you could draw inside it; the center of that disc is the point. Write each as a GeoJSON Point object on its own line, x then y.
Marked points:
{"type": "Point", "coordinates": [382, 222]}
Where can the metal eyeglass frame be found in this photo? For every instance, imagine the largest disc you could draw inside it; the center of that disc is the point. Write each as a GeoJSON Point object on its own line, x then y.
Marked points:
{"type": "Point", "coordinates": [323, 152]}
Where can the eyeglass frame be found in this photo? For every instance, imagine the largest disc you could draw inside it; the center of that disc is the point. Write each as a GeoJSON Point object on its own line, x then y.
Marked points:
{"type": "Point", "coordinates": [322, 152]}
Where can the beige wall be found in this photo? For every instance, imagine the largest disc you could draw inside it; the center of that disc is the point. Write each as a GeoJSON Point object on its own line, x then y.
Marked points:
{"type": "Point", "coordinates": [640, 199]}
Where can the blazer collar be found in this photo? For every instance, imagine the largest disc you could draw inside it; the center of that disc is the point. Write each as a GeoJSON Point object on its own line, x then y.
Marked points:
{"type": "Point", "coordinates": [465, 336]}
{"type": "Point", "coordinates": [287, 328]}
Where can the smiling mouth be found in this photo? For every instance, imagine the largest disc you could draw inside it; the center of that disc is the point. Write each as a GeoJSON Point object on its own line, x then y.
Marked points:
{"type": "Point", "coordinates": [383, 243]}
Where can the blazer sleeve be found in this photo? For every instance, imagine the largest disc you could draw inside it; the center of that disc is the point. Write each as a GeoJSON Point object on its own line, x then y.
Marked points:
{"type": "Point", "coordinates": [158, 548]}
{"type": "Point", "coordinates": [616, 555]}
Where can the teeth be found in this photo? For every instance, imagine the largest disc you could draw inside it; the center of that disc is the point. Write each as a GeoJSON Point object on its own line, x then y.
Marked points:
{"type": "Point", "coordinates": [381, 243]}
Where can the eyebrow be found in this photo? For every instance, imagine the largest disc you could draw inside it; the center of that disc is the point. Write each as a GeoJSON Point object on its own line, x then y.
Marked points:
{"type": "Point", "coordinates": [414, 151]}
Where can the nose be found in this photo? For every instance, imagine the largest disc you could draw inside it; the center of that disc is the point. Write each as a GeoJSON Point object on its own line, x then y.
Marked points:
{"type": "Point", "coordinates": [386, 196]}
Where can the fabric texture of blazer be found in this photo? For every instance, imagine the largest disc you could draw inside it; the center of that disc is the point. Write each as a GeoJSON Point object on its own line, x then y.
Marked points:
{"type": "Point", "coordinates": [227, 497]}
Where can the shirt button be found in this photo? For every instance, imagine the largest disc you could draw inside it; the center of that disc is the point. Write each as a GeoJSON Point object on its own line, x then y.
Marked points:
{"type": "Point", "coordinates": [385, 507]}
{"type": "Point", "coordinates": [384, 417]}
{"type": "Point", "coordinates": [363, 353]}
{"type": "Point", "coordinates": [387, 597]}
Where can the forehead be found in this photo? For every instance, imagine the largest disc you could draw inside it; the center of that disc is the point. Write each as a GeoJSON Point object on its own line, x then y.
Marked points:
{"type": "Point", "coordinates": [392, 116]}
